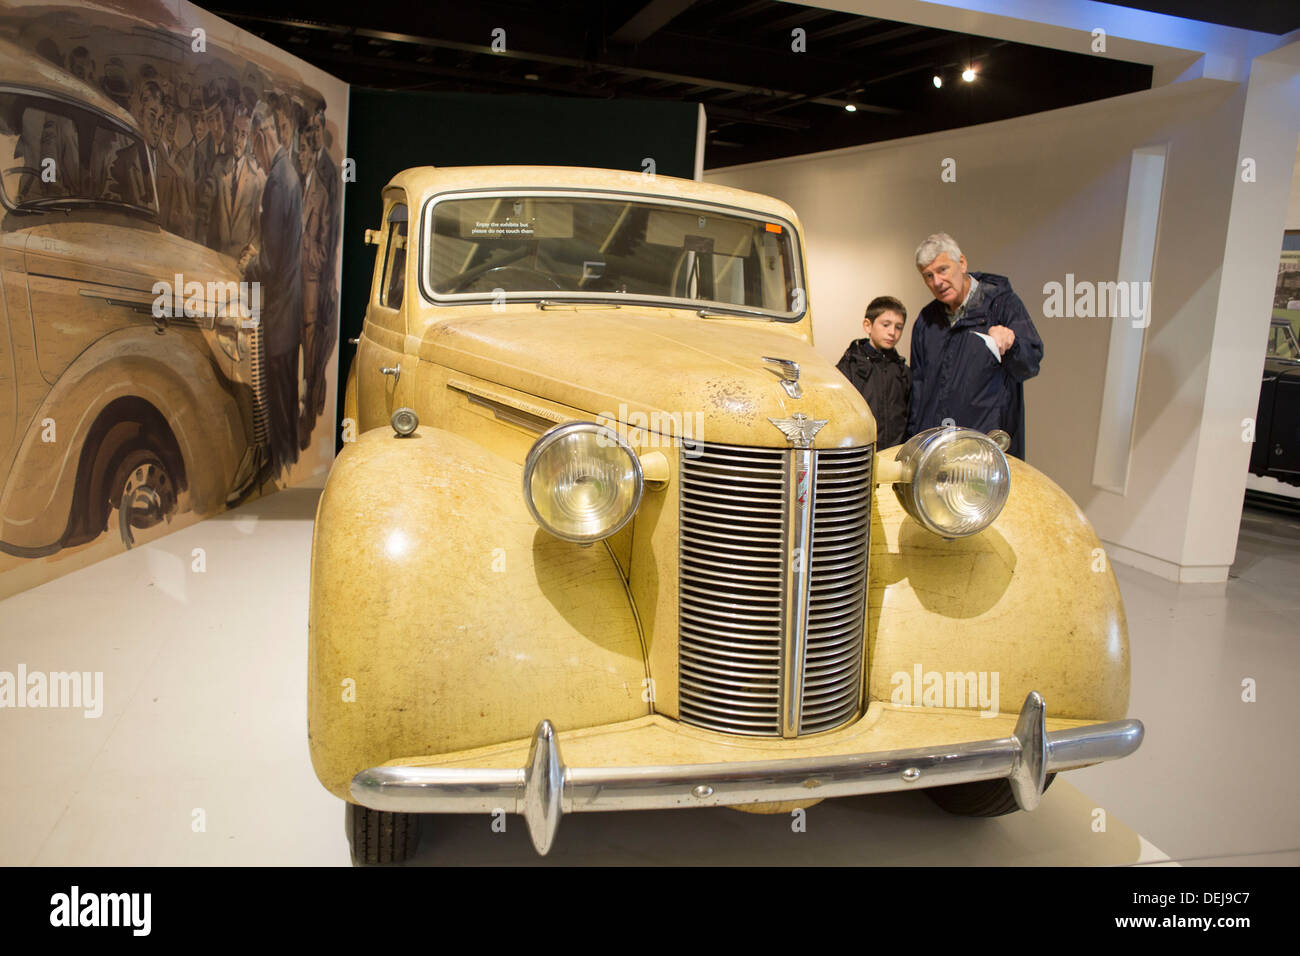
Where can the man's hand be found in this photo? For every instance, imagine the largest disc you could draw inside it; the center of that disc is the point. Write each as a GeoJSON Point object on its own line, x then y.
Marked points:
{"type": "Point", "coordinates": [1002, 337]}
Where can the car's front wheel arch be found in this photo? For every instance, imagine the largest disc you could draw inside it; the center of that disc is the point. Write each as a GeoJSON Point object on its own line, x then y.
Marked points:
{"type": "Point", "coordinates": [126, 430]}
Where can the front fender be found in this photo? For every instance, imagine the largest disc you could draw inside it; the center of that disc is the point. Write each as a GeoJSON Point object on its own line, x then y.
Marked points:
{"type": "Point", "coordinates": [1030, 603]}
{"type": "Point", "coordinates": [172, 374]}
{"type": "Point", "coordinates": [443, 618]}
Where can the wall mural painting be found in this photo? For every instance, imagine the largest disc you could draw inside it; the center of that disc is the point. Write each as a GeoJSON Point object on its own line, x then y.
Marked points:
{"type": "Point", "coordinates": [169, 271]}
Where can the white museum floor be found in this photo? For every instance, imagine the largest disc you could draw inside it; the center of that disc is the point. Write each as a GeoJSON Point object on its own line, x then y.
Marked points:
{"type": "Point", "coordinates": [204, 708]}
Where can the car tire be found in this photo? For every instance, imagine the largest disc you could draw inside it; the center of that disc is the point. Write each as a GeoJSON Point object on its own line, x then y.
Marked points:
{"type": "Point", "coordinates": [381, 837]}
{"type": "Point", "coordinates": [983, 798]}
{"type": "Point", "coordinates": [128, 434]}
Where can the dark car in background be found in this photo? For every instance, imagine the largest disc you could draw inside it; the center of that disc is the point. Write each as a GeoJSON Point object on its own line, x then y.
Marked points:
{"type": "Point", "coordinates": [1276, 452]}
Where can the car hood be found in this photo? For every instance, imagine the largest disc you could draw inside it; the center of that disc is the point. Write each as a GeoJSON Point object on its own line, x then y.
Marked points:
{"type": "Point", "coordinates": [1276, 368]}
{"type": "Point", "coordinates": [125, 257]}
{"type": "Point", "coordinates": [622, 365]}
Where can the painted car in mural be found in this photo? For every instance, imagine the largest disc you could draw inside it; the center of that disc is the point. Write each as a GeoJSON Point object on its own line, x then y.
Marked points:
{"type": "Point", "coordinates": [165, 177]}
{"type": "Point", "coordinates": [612, 536]}
{"type": "Point", "coordinates": [130, 386]}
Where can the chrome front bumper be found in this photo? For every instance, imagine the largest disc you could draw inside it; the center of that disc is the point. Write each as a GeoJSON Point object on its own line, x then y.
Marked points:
{"type": "Point", "coordinates": [546, 789]}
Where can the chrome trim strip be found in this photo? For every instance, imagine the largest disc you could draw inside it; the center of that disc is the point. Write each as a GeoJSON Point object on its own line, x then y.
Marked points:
{"type": "Point", "coordinates": [546, 789]}
{"type": "Point", "coordinates": [800, 485]}
{"type": "Point", "coordinates": [532, 423]}
{"type": "Point", "coordinates": [517, 411]}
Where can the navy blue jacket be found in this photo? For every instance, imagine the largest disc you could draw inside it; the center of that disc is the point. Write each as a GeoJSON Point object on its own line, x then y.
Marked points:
{"type": "Point", "coordinates": [955, 375]}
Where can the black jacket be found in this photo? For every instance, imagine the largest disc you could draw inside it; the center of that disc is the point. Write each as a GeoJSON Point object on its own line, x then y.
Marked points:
{"type": "Point", "coordinates": [956, 376]}
{"type": "Point", "coordinates": [886, 384]}
{"type": "Point", "coordinates": [278, 264]}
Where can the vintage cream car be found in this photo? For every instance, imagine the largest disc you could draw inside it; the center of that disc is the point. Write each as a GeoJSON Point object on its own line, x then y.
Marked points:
{"type": "Point", "coordinates": [130, 381]}
{"type": "Point", "coordinates": [612, 536]}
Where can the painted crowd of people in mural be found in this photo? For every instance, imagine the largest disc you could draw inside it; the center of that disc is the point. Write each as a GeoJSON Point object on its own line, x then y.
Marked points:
{"type": "Point", "coordinates": [244, 168]}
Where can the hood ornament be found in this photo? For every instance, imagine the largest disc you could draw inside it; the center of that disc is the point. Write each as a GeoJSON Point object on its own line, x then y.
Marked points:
{"type": "Point", "coordinates": [788, 372]}
{"type": "Point", "coordinates": [800, 429]}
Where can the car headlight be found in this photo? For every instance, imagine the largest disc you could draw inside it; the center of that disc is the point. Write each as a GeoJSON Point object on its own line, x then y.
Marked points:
{"type": "Point", "coordinates": [954, 480]}
{"type": "Point", "coordinates": [582, 482]}
{"type": "Point", "coordinates": [232, 339]}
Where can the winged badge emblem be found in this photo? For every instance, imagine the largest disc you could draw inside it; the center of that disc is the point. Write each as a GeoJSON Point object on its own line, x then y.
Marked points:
{"type": "Point", "coordinates": [800, 429]}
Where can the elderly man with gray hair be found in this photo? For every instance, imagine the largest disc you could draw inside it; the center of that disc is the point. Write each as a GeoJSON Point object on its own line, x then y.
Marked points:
{"type": "Point", "coordinates": [973, 347]}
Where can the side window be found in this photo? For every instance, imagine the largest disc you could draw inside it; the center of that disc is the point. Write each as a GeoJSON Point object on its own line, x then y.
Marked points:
{"type": "Point", "coordinates": [119, 169]}
{"type": "Point", "coordinates": [63, 153]}
{"type": "Point", "coordinates": [1283, 344]}
{"type": "Point", "coordinates": [395, 259]}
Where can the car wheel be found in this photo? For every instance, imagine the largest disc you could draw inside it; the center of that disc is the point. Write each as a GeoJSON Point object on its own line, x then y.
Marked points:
{"type": "Point", "coordinates": [983, 798]}
{"type": "Point", "coordinates": [381, 837]}
{"type": "Point", "coordinates": [142, 493]}
{"type": "Point", "coordinates": [128, 434]}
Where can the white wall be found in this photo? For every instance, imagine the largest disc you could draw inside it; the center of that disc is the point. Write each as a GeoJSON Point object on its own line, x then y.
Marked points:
{"type": "Point", "coordinates": [1247, 281]}
{"type": "Point", "coordinates": [1041, 196]}
{"type": "Point", "coordinates": [1293, 207]}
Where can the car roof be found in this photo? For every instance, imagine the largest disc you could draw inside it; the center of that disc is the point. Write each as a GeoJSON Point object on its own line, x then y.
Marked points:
{"type": "Point", "coordinates": [23, 68]}
{"type": "Point", "coordinates": [424, 181]}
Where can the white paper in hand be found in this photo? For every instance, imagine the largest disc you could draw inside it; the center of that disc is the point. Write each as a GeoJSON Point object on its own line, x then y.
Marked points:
{"type": "Point", "coordinates": [993, 346]}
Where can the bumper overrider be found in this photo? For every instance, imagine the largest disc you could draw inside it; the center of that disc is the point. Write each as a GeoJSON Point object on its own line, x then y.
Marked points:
{"type": "Point", "coordinates": [545, 789]}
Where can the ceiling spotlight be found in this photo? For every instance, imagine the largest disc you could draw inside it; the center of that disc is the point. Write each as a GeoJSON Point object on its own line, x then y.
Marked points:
{"type": "Point", "coordinates": [850, 107]}
{"type": "Point", "coordinates": [968, 75]}
{"type": "Point", "coordinates": [531, 76]}
{"type": "Point", "coordinates": [937, 80]}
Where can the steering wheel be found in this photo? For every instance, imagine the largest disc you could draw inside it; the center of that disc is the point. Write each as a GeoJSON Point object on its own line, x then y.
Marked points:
{"type": "Point", "coordinates": [508, 279]}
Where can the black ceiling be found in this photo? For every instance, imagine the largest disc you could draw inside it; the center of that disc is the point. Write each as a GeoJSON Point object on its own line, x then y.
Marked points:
{"type": "Point", "coordinates": [1266, 16]}
{"type": "Point", "coordinates": [763, 99]}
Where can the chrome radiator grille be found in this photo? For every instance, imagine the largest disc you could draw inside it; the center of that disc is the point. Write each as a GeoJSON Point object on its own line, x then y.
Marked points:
{"type": "Point", "coordinates": [748, 663]}
{"type": "Point", "coordinates": [257, 372]}
{"type": "Point", "coordinates": [832, 677]}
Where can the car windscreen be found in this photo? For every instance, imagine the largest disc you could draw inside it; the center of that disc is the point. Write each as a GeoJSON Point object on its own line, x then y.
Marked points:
{"type": "Point", "coordinates": [56, 153]}
{"type": "Point", "coordinates": [522, 246]}
{"type": "Point", "coordinates": [1282, 342]}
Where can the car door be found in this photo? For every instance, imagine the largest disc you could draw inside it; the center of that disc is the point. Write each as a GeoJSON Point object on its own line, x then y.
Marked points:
{"type": "Point", "coordinates": [385, 373]}
{"type": "Point", "coordinates": [1277, 442]}
{"type": "Point", "coordinates": [1284, 424]}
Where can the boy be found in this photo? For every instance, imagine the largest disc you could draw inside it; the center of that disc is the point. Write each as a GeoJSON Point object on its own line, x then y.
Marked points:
{"type": "Point", "coordinates": [879, 372]}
